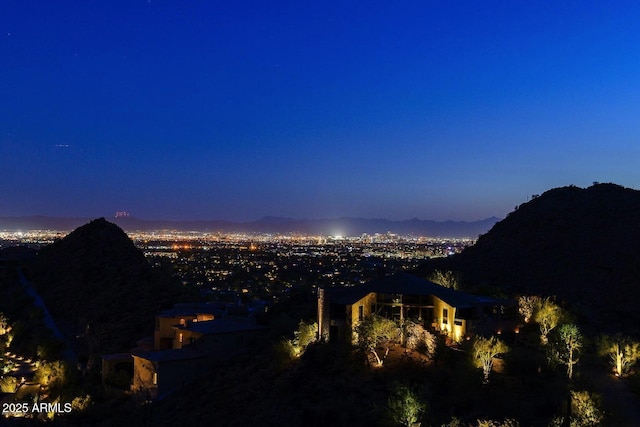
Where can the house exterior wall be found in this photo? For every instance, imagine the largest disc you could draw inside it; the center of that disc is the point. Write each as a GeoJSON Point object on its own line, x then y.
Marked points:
{"type": "Point", "coordinates": [324, 315]}
{"type": "Point", "coordinates": [163, 334]}
{"type": "Point", "coordinates": [154, 379]}
{"type": "Point", "coordinates": [164, 337]}
{"type": "Point", "coordinates": [459, 329]}
{"type": "Point", "coordinates": [184, 337]}
{"type": "Point", "coordinates": [338, 314]}
{"type": "Point", "coordinates": [445, 320]}
{"type": "Point", "coordinates": [143, 378]}
{"type": "Point", "coordinates": [358, 311]}
{"type": "Point", "coordinates": [110, 364]}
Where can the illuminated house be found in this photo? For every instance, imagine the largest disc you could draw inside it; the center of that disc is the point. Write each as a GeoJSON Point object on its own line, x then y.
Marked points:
{"type": "Point", "coordinates": [403, 296]}
{"type": "Point", "coordinates": [163, 335]}
{"type": "Point", "coordinates": [195, 346]}
{"type": "Point", "coordinates": [182, 314]}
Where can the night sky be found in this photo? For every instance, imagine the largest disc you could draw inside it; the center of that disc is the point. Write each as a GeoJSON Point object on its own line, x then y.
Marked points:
{"type": "Point", "coordinates": [208, 109]}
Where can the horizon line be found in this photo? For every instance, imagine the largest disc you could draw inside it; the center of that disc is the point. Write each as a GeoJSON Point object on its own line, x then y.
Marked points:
{"type": "Point", "coordinates": [262, 218]}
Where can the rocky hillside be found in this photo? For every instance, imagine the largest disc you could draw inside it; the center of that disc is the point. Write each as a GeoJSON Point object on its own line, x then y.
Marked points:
{"type": "Point", "coordinates": [581, 245]}
{"type": "Point", "coordinates": [100, 287]}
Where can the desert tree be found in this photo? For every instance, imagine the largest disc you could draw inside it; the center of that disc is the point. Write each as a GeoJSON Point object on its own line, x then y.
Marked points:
{"type": "Point", "coordinates": [418, 338]}
{"type": "Point", "coordinates": [568, 345]}
{"type": "Point", "coordinates": [454, 422]}
{"type": "Point", "coordinates": [527, 305]}
{"type": "Point", "coordinates": [448, 279]}
{"type": "Point", "coordinates": [51, 373]}
{"type": "Point", "coordinates": [622, 351]}
{"type": "Point", "coordinates": [405, 406]}
{"type": "Point", "coordinates": [306, 334]}
{"type": "Point", "coordinates": [585, 409]}
{"type": "Point", "coordinates": [289, 349]}
{"type": "Point", "coordinates": [547, 316]}
{"type": "Point", "coordinates": [375, 331]}
{"type": "Point", "coordinates": [483, 352]}
{"type": "Point", "coordinates": [54, 377]}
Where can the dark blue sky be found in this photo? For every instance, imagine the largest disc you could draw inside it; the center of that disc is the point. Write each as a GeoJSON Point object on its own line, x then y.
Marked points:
{"type": "Point", "coordinates": [208, 109]}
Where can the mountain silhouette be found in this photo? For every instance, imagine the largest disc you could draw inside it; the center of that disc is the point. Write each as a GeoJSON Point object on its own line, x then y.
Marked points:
{"type": "Point", "coordinates": [580, 245]}
{"type": "Point", "coordinates": [100, 287]}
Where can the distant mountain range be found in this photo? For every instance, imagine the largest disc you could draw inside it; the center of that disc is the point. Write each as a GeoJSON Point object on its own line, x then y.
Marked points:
{"type": "Point", "coordinates": [327, 227]}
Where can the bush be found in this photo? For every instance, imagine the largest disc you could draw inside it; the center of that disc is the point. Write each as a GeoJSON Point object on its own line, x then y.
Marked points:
{"type": "Point", "coordinates": [405, 406]}
{"type": "Point", "coordinates": [81, 403]}
{"type": "Point", "coordinates": [51, 374]}
{"type": "Point", "coordinates": [8, 384]}
{"type": "Point", "coordinates": [585, 409]}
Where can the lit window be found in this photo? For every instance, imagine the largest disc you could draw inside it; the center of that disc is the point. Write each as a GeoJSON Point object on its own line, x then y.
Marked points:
{"type": "Point", "coordinates": [180, 337]}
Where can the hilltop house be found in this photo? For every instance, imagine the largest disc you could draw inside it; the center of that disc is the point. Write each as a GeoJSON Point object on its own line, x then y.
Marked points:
{"type": "Point", "coordinates": [188, 338]}
{"type": "Point", "coordinates": [403, 296]}
{"type": "Point", "coordinates": [182, 314]}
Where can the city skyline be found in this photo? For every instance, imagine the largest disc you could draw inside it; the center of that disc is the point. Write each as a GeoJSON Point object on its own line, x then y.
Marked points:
{"type": "Point", "coordinates": [201, 111]}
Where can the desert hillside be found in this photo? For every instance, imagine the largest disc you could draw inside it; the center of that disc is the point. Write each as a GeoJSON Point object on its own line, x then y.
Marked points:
{"type": "Point", "coordinates": [581, 245]}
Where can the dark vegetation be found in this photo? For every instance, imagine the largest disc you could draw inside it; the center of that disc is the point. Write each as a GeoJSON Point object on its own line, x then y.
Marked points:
{"type": "Point", "coordinates": [333, 385]}
{"type": "Point", "coordinates": [31, 337]}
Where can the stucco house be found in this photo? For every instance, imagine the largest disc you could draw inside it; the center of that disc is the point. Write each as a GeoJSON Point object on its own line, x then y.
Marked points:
{"type": "Point", "coordinates": [196, 345]}
{"type": "Point", "coordinates": [404, 296]}
{"type": "Point", "coordinates": [182, 314]}
{"type": "Point", "coordinates": [158, 373]}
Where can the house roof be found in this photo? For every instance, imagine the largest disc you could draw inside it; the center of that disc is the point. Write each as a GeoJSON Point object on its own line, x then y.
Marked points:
{"type": "Point", "coordinates": [223, 326]}
{"type": "Point", "coordinates": [193, 309]}
{"type": "Point", "coordinates": [170, 355]}
{"type": "Point", "coordinates": [406, 284]}
{"type": "Point", "coordinates": [117, 356]}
